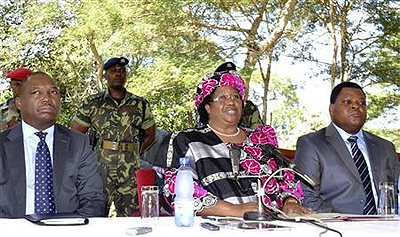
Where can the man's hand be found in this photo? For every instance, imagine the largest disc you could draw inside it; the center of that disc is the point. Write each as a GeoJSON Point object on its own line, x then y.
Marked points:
{"type": "Point", "coordinates": [293, 206]}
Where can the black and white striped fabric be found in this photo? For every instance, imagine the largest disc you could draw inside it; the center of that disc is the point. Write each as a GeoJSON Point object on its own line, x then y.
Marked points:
{"type": "Point", "coordinates": [359, 160]}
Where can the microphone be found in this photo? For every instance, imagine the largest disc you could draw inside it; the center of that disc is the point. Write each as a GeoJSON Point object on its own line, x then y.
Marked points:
{"type": "Point", "coordinates": [270, 150]}
{"type": "Point", "coordinates": [234, 155]}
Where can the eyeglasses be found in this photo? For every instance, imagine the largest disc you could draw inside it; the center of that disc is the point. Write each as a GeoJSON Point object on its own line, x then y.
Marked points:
{"type": "Point", "coordinates": [223, 98]}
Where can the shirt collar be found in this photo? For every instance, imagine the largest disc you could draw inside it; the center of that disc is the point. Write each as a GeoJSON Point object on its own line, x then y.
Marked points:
{"type": "Point", "coordinates": [28, 130]}
{"type": "Point", "coordinates": [344, 135]}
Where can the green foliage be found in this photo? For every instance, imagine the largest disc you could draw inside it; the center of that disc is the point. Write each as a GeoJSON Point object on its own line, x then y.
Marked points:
{"type": "Point", "coordinates": [380, 104]}
{"type": "Point", "coordinates": [172, 44]}
{"type": "Point", "coordinates": [5, 95]}
{"type": "Point", "coordinates": [170, 90]}
{"type": "Point", "coordinates": [288, 118]}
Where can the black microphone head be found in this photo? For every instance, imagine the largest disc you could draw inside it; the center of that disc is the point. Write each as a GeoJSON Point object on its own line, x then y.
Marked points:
{"type": "Point", "coordinates": [234, 155]}
{"type": "Point", "coordinates": [271, 151]}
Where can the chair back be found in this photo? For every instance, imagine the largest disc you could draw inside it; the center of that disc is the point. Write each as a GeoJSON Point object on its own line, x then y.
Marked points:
{"type": "Point", "coordinates": [144, 177]}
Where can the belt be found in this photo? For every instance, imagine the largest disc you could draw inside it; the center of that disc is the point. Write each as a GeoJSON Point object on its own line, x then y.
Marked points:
{"type": "Point", "coordinates": [118, 146]}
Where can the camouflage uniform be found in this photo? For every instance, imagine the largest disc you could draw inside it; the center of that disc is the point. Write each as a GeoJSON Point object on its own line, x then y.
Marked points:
{"type": "Point", "coordinates": [117, 123]}
{"type": "Point", "coordinates": [251, 117]}
{"type": "Point", "coordinates": [9, 114]}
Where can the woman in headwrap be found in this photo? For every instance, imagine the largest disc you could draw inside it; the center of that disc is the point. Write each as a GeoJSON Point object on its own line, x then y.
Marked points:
{"type": "Point", "coordinates": [219, 102]}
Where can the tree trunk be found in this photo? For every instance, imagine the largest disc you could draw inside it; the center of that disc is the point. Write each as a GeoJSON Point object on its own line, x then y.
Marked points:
{"type": "Point", "coordinates": [97, 58]}
{"type": "Point", "coordinates": [266, 79]}
{"type": "Point", "coordinates": [345, 42]}
{"type": "Point", "coordinates": [255, 49]}
{"type": "Point", "coordinates": [344, 46]}
{"type": "Point", "coordinates": [335, 45]}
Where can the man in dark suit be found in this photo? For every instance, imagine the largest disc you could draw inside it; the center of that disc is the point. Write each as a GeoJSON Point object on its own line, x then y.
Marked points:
{"type": "Point", "coordinates": [75, 185]}
{"type": "Point", "coordinates": [328, 157]}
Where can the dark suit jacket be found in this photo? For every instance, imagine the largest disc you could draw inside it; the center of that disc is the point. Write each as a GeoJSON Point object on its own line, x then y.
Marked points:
{"type": "Point", "coordinates": [323, 156]}
{"type": "Point", "coordinates": [77, 183]}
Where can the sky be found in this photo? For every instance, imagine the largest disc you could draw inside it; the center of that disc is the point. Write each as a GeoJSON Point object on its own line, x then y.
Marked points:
{"type": "Point", "coordinates": [314, 94]}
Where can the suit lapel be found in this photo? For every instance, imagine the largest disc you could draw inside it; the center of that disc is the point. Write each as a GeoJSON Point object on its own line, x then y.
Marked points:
{"type": "Point", "coordinates": [60, 153]}
{"type": "Point", "coordinates": [14, 150]}
{"type": "Point", "coordinates": [374, 157]}
{"type": "Point", "coordinates": [334, 138]}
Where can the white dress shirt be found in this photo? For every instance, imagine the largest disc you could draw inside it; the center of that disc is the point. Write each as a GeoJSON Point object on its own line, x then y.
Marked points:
{"type": "Point", "coordinates": [363, 147]}
{"type": "Point", "coordinates": [30, 143]}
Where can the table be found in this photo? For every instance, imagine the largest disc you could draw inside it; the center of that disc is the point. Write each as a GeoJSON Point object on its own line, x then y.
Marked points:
{"type": "Point", "coordinates": [115, 227]}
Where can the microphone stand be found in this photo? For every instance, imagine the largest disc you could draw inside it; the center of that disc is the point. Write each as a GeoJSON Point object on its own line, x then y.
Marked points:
{"type": "Point", "coordinates": [260, 215]}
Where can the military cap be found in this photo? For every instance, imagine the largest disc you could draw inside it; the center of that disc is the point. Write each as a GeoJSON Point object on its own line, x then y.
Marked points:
{"type": "Point", "coordinates": [121, 61]}
{"type": "Point", "coordinates": [228, 66]}
{"type": "Point", "coordinates": [19, 74]}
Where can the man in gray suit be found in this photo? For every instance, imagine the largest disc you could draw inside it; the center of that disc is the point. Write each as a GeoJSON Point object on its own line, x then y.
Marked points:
{"type": "Point", "coordinates": [327, 157]}
{"type": "Point", "coordinates": [75, 186]}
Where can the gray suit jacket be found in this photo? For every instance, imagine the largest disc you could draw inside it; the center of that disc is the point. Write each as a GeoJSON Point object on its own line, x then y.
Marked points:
{"type": "Point", "coordinates": [77, 184]}
{"type": "Point", "coordinates": [323, 156]}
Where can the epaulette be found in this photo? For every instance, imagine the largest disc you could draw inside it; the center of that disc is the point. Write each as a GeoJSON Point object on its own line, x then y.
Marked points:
{"type": "Point", "coordinates": [95, 97]}
{"type": "Point", "coordinates": [135, 97]}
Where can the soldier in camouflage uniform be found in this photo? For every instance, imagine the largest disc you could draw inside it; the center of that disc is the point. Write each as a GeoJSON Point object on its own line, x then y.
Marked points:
{"type": "Point", "coordinates": [124, 128]}
{"type": "Point", "coordinates": [251, 117]}
{"type": "Point", "coordinates": [9, 114]}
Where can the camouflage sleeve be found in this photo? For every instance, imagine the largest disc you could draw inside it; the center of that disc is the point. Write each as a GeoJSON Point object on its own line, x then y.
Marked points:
{"type": "Point", "coordinates": [8, 116]}
{"type": "Point", "coordinates": [3, 111]}
{"type": "Point", "coordinates": [3, 122]}
{"type": "Point", "coordinates": [148, 117]}
{"type": "Point", "coordinates": [255, 119]}
{"type": "Point", "coordinates": [83, 114]}
{"type": "Point", "coordinates": [251, 116]}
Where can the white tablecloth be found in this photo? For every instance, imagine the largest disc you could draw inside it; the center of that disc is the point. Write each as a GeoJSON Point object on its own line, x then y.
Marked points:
{"type": "Point", "coordinates": [115, 227]}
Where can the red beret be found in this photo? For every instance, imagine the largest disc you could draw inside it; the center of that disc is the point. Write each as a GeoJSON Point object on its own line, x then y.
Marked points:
{"type": "Point", "coordinates": [19, 74]}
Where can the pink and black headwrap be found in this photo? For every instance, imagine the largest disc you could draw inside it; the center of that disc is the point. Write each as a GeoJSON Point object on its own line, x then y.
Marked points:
{"type": "Point", "coordinates": [211, 81]}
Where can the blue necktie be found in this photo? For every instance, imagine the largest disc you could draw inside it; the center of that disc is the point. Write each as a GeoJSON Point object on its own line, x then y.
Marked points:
{"type": "Point", "coordinates": [359, 160]}
{"type": "Point", "coordinates": [44, 193]}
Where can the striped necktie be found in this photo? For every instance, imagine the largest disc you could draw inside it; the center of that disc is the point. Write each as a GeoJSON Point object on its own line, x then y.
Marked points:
{"type": "Point", "coordinates": [359, 160]}
{"type": "Point", "coordinates": [44, 193]}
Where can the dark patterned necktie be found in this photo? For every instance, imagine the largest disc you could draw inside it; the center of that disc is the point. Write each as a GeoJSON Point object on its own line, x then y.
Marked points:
{"type": "Point", "coordinates": [359, 160]}
{"type": "Point", "coordinates": [44, 193]}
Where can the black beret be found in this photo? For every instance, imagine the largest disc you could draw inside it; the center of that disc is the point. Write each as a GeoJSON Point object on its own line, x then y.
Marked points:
{"type": "Point", "coordinates": [228, 66]}
{"type": "Point", "coordinates": [121, 61]}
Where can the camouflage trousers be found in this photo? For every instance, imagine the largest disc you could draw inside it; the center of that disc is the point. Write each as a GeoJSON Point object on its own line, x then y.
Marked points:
{"type": "Point", "coordinates": [120, 187]}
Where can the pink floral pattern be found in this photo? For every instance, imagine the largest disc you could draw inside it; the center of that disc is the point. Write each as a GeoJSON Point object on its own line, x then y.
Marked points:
{"type": "Point", "coordinates": [266, 200]}
{"type": "Point", "coordinates": [271, 187]}
{"type": "Point", "coordinates": [208, 86]}
{"type": "Point", "coordinates": [255, 152]}
{"type": "Point", "coordinates": [199, 191]}
{"type": "Point", "coordinates": [267, 135]}
{"type": "Point", "coordinates": [272, 164]}
{"type": "Point", "coordinates": [229, 79]}
{"type": "Point", "coordinates": [276, 189]}
{"type": "Point", "coordinates": [251, 165]}
{"type": "Point", "coordinates": [288, 175]}
{"type": "Point", "coordinates": [212, 81]}
{"type": "Point", "coordinates": [263, 138]}
{"type": "Point", "coordinates": [296, 191]}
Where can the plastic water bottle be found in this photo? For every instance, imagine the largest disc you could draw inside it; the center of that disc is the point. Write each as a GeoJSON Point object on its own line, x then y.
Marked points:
{"type": "Point", "coordinates": [184, 202]}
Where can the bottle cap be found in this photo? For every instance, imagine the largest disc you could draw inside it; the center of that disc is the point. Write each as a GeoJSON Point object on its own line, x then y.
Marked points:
{"type": "Point", "coordinates": [184, 161]}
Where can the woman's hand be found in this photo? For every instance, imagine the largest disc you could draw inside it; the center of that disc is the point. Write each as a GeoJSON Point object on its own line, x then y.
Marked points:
{"type": "Point", "coordinates": [293, 206]}
{"type": "Point", "coordinates": [224, 208]}
{"type": "Point", "coordinates": [246, 207]}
